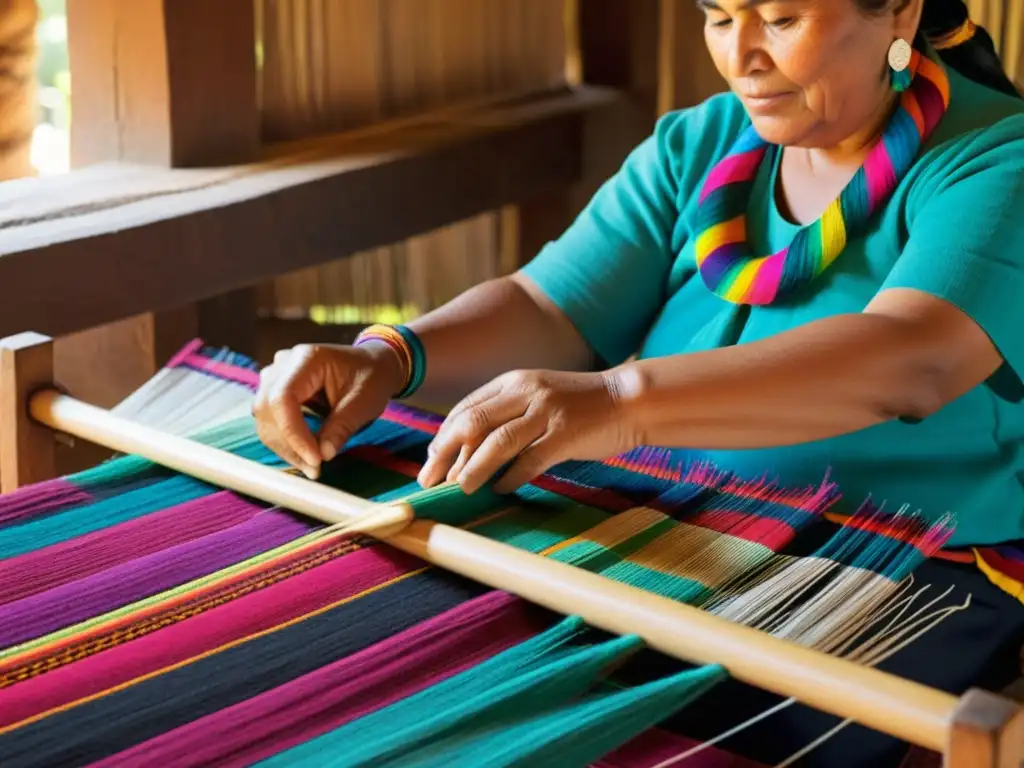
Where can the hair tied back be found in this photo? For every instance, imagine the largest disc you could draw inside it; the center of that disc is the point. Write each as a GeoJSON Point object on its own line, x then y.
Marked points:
{"type": "Point", "coordinates": [955, 37]}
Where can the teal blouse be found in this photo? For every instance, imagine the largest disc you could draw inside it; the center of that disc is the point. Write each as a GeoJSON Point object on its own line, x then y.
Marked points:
{"type": "Point", "coordinates": [624, 273]}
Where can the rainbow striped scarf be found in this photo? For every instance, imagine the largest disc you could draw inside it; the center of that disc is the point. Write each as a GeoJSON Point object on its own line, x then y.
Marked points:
{"type": "Point", "coordinates": [724, 259]}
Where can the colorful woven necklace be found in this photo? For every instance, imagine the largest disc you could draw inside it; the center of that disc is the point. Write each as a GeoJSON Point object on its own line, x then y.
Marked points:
{"type": "Point", "coordinates": [724, 259]}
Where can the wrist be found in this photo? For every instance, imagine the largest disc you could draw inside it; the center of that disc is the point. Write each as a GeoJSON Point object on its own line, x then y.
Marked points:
{"type": "Point", "coordinates": [406, 351]}
{"type": "Point", "coordinates": [628, 386]}
{"type": "Point", "coordinates": [390, 362]}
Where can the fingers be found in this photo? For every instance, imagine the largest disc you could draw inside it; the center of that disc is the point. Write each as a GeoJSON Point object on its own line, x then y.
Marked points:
{"type": "Point", "coordinates": [351, 413]}
{"type": "Point", "coordinates": [295, 376]}
{"type": "Point", "coordinates": [270, 435]}
{"type": "Point", "coordinates": [533, 462]}
{"type": "Point", "coordinates": [286, 411]}
{"type": "Point", "coordinates": [463, 432]}
{"type": "Point", "coordinates": [499, 448]}
{"type": "Point", "coordinates": [476, 399]}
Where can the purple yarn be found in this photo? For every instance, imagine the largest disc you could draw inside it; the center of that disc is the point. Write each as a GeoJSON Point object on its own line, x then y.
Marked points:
{"type": "Point", "coordinates": [40, 499]}
{"type": "Point", "coordinates": [135, 580]}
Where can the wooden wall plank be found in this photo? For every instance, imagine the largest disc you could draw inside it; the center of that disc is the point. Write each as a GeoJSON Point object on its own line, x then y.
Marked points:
{"type": "Point", "coordinates": [18, 97]}
{"type": "Point", "coordinates": [347, 63]}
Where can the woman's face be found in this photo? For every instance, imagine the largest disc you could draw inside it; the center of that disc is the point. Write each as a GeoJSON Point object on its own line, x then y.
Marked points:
{"type": "Point", "coordinates": [811, 73]}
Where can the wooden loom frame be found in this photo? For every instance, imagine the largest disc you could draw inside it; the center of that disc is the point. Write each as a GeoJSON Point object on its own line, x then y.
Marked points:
{"type": "Point", "coordinates": [979, 729]}
{"type": "Point", "coordinates": [166, 235]}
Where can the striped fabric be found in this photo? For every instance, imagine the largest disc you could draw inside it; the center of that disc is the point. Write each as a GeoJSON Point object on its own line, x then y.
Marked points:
{"type": "Point", "coordinates": [147, 618]}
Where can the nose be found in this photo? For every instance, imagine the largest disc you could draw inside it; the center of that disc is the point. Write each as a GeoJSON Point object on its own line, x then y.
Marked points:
{"type": "Point", "coordinates": [746, 54]}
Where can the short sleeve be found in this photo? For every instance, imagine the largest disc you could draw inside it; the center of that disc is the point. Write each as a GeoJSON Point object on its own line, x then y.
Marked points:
{"type": "Point", "coordinates": [608, 272]}
{"type": "Point", "coordinates": [966, 236]}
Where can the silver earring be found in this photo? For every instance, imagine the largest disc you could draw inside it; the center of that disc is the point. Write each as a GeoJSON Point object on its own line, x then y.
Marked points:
{"type": "Point", "coordinates": [899, 54]}
{"type": "Point", "coordinates": [899, 60]}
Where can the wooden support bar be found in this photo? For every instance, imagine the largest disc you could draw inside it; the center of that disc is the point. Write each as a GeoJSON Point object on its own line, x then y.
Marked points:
{"type": "Point", "coordinates": [987, 732]}
{"type": "Point", "coordinates": [106, 243]}
{"type": "Point", "coordinates": [132, 350]}
{"type": "Point", "coordinates": [27, 449]}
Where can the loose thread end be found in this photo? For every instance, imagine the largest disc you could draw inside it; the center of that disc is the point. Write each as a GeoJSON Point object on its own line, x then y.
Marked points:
{"type": "Point", "coordinates": [384, 522]}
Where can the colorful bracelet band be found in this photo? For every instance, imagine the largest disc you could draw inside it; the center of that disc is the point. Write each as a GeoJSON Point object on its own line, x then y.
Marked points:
{"type": "Point", "coordinates": [408, 346]}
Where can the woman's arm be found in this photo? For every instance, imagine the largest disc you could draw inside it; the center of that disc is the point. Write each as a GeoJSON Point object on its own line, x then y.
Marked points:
{"type": "Point", "coordinates": [497, 326]}
{"type": "Point", "coordinates": [589, 295]}
{"type": "Point", "coordinates": [484, 332]}
{"type": "Point", "coordinates": [907, 355]}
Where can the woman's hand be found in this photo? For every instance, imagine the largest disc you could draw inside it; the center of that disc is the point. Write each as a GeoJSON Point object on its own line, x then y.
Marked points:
{"type": "Point", "coordinates": [534, 419]}
{"type": "Point", "coordinates": [358, 383]}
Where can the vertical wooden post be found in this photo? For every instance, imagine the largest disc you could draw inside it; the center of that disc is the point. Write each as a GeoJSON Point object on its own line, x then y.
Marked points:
{"type": "Point", "coordinates": [617, 44]}
{"type": "Point", "coordinates": [987, 732]}
{"type": "Point", "coordinates": [170, 83]}
{"type": "Point", "coordinates": [163, 82]}
{"type": "Point", "coordinates": [687, 74]}
{"type": "Point", "coordinates": [27, 449]}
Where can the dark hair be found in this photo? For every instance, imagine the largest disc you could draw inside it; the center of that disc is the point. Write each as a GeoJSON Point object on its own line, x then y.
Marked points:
{"type": "Point", "coordinates": [975, 58]}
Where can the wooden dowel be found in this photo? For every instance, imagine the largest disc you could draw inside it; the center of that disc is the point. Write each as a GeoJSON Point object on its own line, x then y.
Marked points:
{"type": "Point", "coordinates": [212, 465]}
{"type": "Point", "coordinates": [902, 708]}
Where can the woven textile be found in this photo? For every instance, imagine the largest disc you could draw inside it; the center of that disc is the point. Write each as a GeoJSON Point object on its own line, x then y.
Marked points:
{"type": "Point", "coordinates": [147, 618]}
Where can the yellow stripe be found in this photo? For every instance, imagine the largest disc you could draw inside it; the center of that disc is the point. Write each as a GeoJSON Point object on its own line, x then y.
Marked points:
{"type": "Point", "coordinates": [213, 651]}
{"type": "Point", "coordinates": [833, 233]}
{"type": "Point", "coordinates": [1006, 583]}
{"type": "Point", "coordinates": [733, 231]}
{"type": "Point", "coordinates": [740, 286]}
{"type": "Point", "coordinates": [954, 38]}
{"type": "Point", "coordinates": [160, 602]}
{"type": "Point", "coordinates": [613, 531]}
{"type": "Point", "coordinates": [700, 554]}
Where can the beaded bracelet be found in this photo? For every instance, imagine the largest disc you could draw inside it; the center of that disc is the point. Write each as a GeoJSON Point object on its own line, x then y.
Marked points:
{"type": "Point", "coordinates": [408, 347]}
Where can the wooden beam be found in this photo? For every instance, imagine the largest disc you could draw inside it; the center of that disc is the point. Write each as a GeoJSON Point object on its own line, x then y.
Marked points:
{"type": "Point", "coordinates": [103, 244]}
{"type": "Point", "coordinates": [130, 352]}
{"type": "Point", "coordinates": [619, 48]}
{"type": "Point", "coordinates": [27, 449]}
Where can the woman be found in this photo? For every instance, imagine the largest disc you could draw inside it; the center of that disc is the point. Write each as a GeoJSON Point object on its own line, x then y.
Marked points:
{"type": "Point", "coordinates": [821, 270]}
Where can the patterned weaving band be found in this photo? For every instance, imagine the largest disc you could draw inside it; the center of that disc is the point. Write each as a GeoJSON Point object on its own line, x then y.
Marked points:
{"type": "Point", "coordinates": [148, 619]}
{"type": "Point", "coordinates": [724, 258]}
